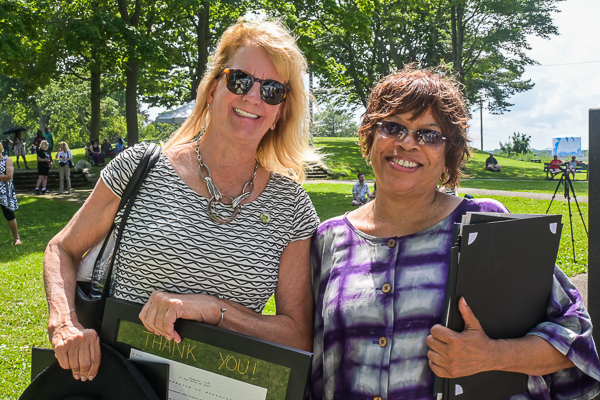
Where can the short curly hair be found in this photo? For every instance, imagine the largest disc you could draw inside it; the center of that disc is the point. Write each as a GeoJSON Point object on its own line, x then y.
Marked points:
{"type": "Point", "coordinates": [417, 91]}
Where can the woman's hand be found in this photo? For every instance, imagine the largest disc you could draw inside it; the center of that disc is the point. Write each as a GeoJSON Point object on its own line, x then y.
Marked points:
{"type": "Point", "coordinates": [77, 349]}
{"type": "Point", "coordinates": [453, 354]}
{"type": "Point", "coordinates": [163, 309]}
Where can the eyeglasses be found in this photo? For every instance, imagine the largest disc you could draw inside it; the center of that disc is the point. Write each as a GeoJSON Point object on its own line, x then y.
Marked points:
{"type": "Point", "coordinates": [396, 131]}
{"type": "Point", "coordinates": [241, 82]}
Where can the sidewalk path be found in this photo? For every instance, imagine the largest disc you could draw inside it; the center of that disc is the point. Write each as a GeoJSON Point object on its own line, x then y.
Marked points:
{"type": "Point", "coordinates": [478, 192]}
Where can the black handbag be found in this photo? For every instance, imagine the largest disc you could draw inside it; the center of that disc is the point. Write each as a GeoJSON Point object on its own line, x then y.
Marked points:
{"type": "Point", "coordinates": [89, 310]}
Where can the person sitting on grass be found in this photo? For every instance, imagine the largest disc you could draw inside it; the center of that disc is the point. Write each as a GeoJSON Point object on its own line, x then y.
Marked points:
{"type": "Point", "coordinates": [107, 149]}
{"type": "Point", "coordinates": [360, 191]}
{"type": "Point", "coordinates": [554, 167]}
{"type": "Point", "coordinates": [491, 164]}
{"type": "Point", "coordinates": [120, 146]}
{"type": "Point", "coordinates": [96, 153]}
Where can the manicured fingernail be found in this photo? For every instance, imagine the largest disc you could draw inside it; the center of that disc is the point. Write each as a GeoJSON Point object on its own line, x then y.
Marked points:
{"type": "Point", "coordinates": [92, 377]}
{"type": "Point", "coordinates": [465, 301]}
{"type": "Point", "coordinates": [76, 376]}
{"type": "Point", "coordinates": [83, 379]}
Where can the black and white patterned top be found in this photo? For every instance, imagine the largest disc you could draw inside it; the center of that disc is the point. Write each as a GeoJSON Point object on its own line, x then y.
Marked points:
{"type": "Point", "coordinates": [8, 197]}
{"type": "Point", "coordinates": [170, 244]}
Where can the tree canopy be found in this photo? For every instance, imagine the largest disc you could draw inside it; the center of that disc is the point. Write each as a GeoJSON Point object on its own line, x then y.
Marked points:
{"type": "Point", "coordinates": [102, 55]}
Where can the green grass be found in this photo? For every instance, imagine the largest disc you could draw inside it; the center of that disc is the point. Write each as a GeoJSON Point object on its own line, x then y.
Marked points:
{"type": "Point", "coordinates": [581, 187]}
{"type": "Point", "coordinates": [23, 315]}
{"type": "Point", "coordinates": [345, 157]}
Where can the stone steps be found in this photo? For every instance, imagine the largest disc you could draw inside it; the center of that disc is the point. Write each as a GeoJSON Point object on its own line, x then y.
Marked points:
{"type": "Point", "coordinates": [26, 180]}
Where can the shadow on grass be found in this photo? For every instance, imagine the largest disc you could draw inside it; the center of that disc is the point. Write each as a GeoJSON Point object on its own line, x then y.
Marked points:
{"type": "Point", "coordinates": [39, 219]}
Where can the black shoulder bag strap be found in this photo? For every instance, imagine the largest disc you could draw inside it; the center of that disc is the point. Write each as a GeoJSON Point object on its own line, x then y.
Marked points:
{"type": "Point", "coordinates": [148, 161]}
{"type": "Point", "coordinates": [89, 311]}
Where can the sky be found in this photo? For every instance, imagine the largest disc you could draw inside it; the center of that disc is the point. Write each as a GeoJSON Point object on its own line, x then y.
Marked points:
{"type": "Point", "coordinates": [559, 103]}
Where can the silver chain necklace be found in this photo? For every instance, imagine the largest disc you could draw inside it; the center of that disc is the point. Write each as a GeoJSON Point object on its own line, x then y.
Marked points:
{"type": "Point", "coordinates": [216, 196]}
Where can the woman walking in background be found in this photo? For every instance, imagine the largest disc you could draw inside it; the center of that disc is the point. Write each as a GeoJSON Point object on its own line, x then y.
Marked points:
{"type": "Point", "coordinates": [44, 163]}
{"type": "Point", "coordinates": [8, 197]}
{"type": "Point", "coordinates": [19, 148]}
{"type": "Point", "coordinates": [65, 158]}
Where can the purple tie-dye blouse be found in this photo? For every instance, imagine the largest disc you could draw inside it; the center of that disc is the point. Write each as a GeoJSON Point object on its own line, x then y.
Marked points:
{"type": "Point", "coordinates": [377, 298]}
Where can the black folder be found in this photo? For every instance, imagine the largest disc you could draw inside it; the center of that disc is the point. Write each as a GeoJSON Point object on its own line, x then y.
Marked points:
{"type": "Point", "coordinates": [503, 265]}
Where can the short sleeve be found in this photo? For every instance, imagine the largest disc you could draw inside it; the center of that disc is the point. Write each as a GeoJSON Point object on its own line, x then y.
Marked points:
{"type": "Point", "coordinates": [305, 220]}
{"type": "Point", "coordinates": [119, 171]}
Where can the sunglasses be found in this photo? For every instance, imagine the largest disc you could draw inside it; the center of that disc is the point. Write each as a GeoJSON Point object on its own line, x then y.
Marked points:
{"type": "Point", "coordinates": [398, 131]}
{"type": "Point", "coordinates": [241, 82]}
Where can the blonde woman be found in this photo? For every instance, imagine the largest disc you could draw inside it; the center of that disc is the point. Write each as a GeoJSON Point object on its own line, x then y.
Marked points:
{"type": "Point", "coordinates": [64, 158]}
{"type": "Point", "coordinates": [44, 164]}
{"type": "Point", "coordinates": [8, 197]}
{"type": "Point", "coordinates": [211, 250]}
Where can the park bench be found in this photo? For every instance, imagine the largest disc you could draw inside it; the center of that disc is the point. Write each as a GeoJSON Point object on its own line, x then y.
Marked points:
{"type": "Point", "coordinates": [581, 169]}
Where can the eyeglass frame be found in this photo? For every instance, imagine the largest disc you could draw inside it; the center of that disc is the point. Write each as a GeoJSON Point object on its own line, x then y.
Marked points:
{"type": "Point", "coordinates": [226, 71]}
{"type": "Point", "coordinates": [417, 136]}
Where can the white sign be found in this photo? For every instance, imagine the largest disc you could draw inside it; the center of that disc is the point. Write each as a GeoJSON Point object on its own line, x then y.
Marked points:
{"type": "Point", "coordinates": [189, 383]}
{"type": "Point", "coordinates": [566, 146]}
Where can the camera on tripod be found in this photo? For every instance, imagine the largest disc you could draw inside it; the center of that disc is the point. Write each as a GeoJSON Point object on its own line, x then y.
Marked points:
{"type": "Point", "coordinates": [569, 190]}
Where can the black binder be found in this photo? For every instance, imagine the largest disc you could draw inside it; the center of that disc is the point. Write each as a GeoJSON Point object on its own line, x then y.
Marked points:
{"type": "Point", "coordinates": [503, 265]}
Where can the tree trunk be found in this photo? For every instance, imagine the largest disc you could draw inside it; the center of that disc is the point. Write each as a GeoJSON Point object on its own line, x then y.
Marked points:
{"type": "Point", "coordinates": [95, 95]}
{"type": "Point", "coordinates": [203, 39]}
{"type": "Point", "coordinates": [458, 34]}
{"type": "Point", "coordinates": [132, 69]}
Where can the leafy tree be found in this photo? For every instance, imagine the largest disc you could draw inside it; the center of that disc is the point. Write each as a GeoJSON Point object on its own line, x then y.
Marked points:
{"type": "Point", "coordinates": [518, 143]}
{"type": "Point", "coordinates": [351, 44]}
{"type": "Point", "coordinates": [335, 122]}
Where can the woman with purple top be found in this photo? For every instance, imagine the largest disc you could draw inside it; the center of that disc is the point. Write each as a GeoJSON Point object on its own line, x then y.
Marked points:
{"type": "Point", "coordinates": [379, 272]}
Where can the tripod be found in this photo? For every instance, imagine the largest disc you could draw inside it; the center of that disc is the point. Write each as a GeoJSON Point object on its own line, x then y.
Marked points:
{"type": "Point", "coordinates": [566, 181]}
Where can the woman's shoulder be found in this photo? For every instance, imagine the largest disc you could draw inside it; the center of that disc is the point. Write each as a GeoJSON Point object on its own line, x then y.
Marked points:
{"type": "Point", "coordinates": [332, 224]}
{"type": "Point", "coordinates": [483, 205]}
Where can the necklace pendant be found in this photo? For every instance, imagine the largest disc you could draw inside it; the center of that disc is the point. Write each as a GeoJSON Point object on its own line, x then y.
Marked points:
{"type": "Point", "coordinates": [265, 218]}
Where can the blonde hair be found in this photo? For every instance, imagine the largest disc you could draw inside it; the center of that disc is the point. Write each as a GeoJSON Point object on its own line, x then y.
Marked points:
{"type": "Point", "coordinates": [43, 143]}
{"type": "Point", "coordinates": [286, 148]}
{"type": "Point", "coordinates": [1, 149]}
{"type": "Point", "coordinates": [65, 144]}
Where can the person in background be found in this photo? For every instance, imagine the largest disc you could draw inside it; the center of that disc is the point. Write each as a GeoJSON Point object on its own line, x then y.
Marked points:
{"type": "Point", "coordinates": [32, 149]}
{"type": "Point", "coordinates": [380, 271]}
{"type": "Point", "coordinates": [491, 164]}
{"type": "Point", "coordinates": [65, 159]}
{"type": "Point", "coordinates": [119, 147]}
{"type": "Point", "coordinates": [107, 149]}
{"type": "Point", "coordinates": [44, 163]}
{"type": "Point", "coordinates": [88, 153]}
{"type": "Point", "coordinates": [6, 142]}
{"type": "Point", "coordinates": [374, 193]}
{"type": "Point", "coordinates": [96, 153]}
{"type": "Point", "coordinates": [19, 149]}
{"type": "Point", "coordinates": [572, 165]}
{"type": "Point", "coordinates": [360, 191]}
{"type": "Point", "coordinates": [37, 141]}
{"type": "Point", "coordinates": [8, 197]}
{"type": "Point", "coordinates": [50, 139]}
{"type": "Point", "coordinates": [554, 167]}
